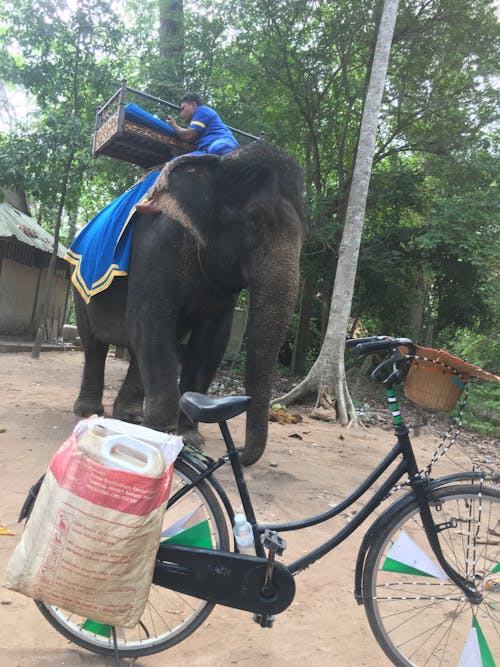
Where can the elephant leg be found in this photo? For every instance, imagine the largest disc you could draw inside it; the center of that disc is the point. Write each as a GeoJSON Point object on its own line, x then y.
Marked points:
{"type": "Point", "coordinates": [89, 401]}
{"type": "Point", "coordinates": [161, 405]}
{"type": "Point", "coordinates": [129, 403]}
{"type": "Point", "coordinates": [204, 353]}
{"type": "Point", "coordinates": [157, 367]}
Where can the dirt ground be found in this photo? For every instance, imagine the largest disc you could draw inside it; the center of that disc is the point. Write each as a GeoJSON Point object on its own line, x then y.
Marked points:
{"type": "Point", "coordinates": [306, 468]}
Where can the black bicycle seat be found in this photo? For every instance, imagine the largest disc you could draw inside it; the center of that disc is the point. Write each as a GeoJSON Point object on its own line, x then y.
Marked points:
{"type": "Point", "coordinates": [201, 408]}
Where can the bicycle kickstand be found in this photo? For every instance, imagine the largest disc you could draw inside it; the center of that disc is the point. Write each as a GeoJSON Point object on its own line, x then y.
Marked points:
{"type": "Point", "coordinates": [115, 647]}
{"type": "Point", "coordinates": [275, 545]}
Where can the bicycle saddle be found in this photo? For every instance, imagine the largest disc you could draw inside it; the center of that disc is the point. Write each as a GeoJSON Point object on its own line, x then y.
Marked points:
{"type": "Point", "coordinates": [201, 408]}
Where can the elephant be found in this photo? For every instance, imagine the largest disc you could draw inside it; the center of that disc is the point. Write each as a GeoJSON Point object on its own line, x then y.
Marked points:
{"type": "Point", "coordinates": [228, 223]}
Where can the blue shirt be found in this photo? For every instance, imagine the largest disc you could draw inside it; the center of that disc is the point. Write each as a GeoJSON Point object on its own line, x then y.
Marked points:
{"type": "Point", "coordinates": [210, 127]}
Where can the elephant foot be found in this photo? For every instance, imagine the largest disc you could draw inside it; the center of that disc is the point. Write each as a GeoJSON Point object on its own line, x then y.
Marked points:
{"type": "Point", "coordinates": [132, 413]}
{"type": "Point", "coordinates": [86, 408]}
{"type": "Point", "coordinates": [250, 456]}
{"type": "Point", "coordinates": [194, 438]}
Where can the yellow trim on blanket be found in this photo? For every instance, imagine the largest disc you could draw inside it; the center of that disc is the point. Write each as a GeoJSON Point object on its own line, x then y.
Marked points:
{"type": "Point", "coordinates": [72, 257]}
{"type": "Point", "coordinates": [105, 280]}
{"type": "Point", "coordinates": [99, 285]}
{"type": "Point", "coordinates": [87, 293]}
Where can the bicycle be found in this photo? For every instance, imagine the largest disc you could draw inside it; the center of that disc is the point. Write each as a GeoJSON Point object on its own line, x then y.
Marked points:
{"type": "Point", "coordinates": [427, 572]}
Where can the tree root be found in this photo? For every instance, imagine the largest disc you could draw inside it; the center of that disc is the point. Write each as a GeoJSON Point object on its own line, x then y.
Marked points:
{"type": "Point", "coordinates": [325, 406]}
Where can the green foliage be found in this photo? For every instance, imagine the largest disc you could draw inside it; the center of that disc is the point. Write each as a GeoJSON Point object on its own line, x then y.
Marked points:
{"type": "Point", "coordinates": [441, 83]}
{"type": "Point", "coordinates": [65, 57]}
{"type": "Point", "coordinates": [302, 66]}
{"type": "Point", "coordinates": [481, 410]}
{"type": "Point", "coordinates": [434, 221]}
{"type": "Point", "coordinates": [461, 242]}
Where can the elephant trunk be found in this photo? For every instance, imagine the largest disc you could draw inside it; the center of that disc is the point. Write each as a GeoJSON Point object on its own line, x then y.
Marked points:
{"type": "Point", "coordinates": [273, 292]}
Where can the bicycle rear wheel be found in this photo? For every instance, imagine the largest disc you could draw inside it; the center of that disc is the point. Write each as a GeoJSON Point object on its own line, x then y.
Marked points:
{"type": "Point", "coordinates": [420, 617]}
{"type": "Point", "coordinates": [169, 617]}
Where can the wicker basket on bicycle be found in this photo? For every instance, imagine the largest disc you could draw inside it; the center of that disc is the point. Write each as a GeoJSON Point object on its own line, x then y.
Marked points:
{"type": "Point", "coordinates": [436, 378]}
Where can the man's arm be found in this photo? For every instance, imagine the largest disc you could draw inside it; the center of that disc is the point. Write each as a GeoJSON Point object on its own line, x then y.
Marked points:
{"type": "Point", "coordinates": [185, 133]}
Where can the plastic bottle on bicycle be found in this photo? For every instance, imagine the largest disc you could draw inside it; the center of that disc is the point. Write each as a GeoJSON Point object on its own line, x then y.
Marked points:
{"type": "Point", "coordinates": [243, 534]}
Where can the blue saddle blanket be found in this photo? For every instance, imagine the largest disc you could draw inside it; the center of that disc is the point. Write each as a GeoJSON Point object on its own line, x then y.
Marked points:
{"type": "Point", "coordinates": [101, 250]}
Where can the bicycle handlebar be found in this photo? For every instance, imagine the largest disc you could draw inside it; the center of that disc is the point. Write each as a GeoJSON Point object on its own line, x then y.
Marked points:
{"type": "Point", "coordinates": [352, 342]}
{"type": "Point", "coordinates": [373, 344]}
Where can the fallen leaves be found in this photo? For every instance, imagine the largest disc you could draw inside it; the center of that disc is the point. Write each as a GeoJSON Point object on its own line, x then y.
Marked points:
{"type": "Point", "coordinates": [282, 416]}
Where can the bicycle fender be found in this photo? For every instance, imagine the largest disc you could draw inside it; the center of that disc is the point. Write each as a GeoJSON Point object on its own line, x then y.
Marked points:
{"type": "Point", "coordinates": [225, 578]}
{"type": "Point", "coordinates": [30, 500]}
{"type": "Point", "coordinates": [212, 480]}
{"type": "Point", "coordinates": [408, 498]}
{"type": "Point", "coordinates": [465, 477]}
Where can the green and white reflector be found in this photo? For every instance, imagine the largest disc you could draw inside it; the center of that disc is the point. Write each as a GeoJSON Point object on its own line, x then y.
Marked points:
{"type": "Point", "coordinates": [190, 531]}
{"type": "Point", "coordinates": [406, 557]}
{"type": "Point", "coordinates": [97, 628]}
{"type": "Point", "coordinates": [102, 629]}
{"type": "Point", "coordinates": [476, 651]}
{"type": "Point", "coordinates": [496, 568]}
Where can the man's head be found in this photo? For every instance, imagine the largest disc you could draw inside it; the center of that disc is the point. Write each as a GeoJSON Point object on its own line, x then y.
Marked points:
{"type": "Point", "coordinates": [188, 106]}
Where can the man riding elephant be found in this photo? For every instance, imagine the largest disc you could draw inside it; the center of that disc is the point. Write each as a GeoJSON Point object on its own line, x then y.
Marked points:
{"type": "Point", "coordinates": [206, 130]}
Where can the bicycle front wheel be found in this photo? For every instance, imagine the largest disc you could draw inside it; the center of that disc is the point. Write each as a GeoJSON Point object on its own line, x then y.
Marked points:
{"type": "Point", "coordinates": [169, 617]}
{"type": "Point", "coordinates": [417, 614]}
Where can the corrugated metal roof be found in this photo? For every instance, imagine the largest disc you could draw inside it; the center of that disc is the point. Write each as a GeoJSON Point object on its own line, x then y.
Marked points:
{"type": "Point", "coordinates": [14, 224]}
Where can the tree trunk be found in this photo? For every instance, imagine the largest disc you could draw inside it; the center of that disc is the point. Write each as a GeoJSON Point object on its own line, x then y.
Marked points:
{"type": "Point", "coordinates": [171, 48]}
{"type": "Point", "coordinates": [327, 292]}
{"type": "Point", "coordinates": [301, 342]}
{"type": "Point", "coordinates": [17, 199]}
{"type": "Point", "coordinates": [72, 220]}
{"type": "Point", "coordinates": [329, 369]}
{"type": "Point", "coordinates": [47, 299]}
{"type": "Point", "coordinates": [418, 306]}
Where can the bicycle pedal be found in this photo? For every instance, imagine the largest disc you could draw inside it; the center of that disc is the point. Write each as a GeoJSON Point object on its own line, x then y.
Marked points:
{"type": "Point", "coordinates": [272, 541]}
{"type": "Point", "coordinates": [264, 620]}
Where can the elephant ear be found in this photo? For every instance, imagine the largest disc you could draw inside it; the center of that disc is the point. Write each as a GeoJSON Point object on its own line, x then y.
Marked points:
{"type": "Point", "coordinates": [186, 192]}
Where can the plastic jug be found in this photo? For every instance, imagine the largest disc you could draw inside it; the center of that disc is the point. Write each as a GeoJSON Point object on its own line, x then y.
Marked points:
{"type": "Point", "coordinates": [121, 452]}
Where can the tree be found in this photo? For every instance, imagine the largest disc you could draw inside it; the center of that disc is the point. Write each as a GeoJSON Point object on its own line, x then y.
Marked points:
{"type": "Point", "coordinates": [299, 66]}
{"type": "Point", "coordinates": [328, 370]}
{"type": "Point", "coordinates": [430, 245]}
{"type": "Point", "coordinates": [171, 40]}
{"type": "Point", "coordinates": [58, 65]}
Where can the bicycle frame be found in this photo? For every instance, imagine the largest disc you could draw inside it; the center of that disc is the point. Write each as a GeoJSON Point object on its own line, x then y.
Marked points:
{"type": "Point", "coordinates": [406, 467]}
{"type": "Point", "coordinates": [399, 449]}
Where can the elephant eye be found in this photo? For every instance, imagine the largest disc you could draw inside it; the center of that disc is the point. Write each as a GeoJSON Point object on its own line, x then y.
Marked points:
{"type": "Point", "coordinates": [256, 218]}
{"type": "Point", "coordinates": [251, 223]}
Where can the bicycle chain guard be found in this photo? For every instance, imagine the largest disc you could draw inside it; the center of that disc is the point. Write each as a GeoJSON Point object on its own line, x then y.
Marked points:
{"type": "Point", "coordinates": [229, 579]}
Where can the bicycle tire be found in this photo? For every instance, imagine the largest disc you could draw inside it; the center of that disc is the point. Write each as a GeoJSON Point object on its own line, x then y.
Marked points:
{"type": "Point", "coordinates": [417, 614]}
{"type": "Point", "coordinates": [169, 617]}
